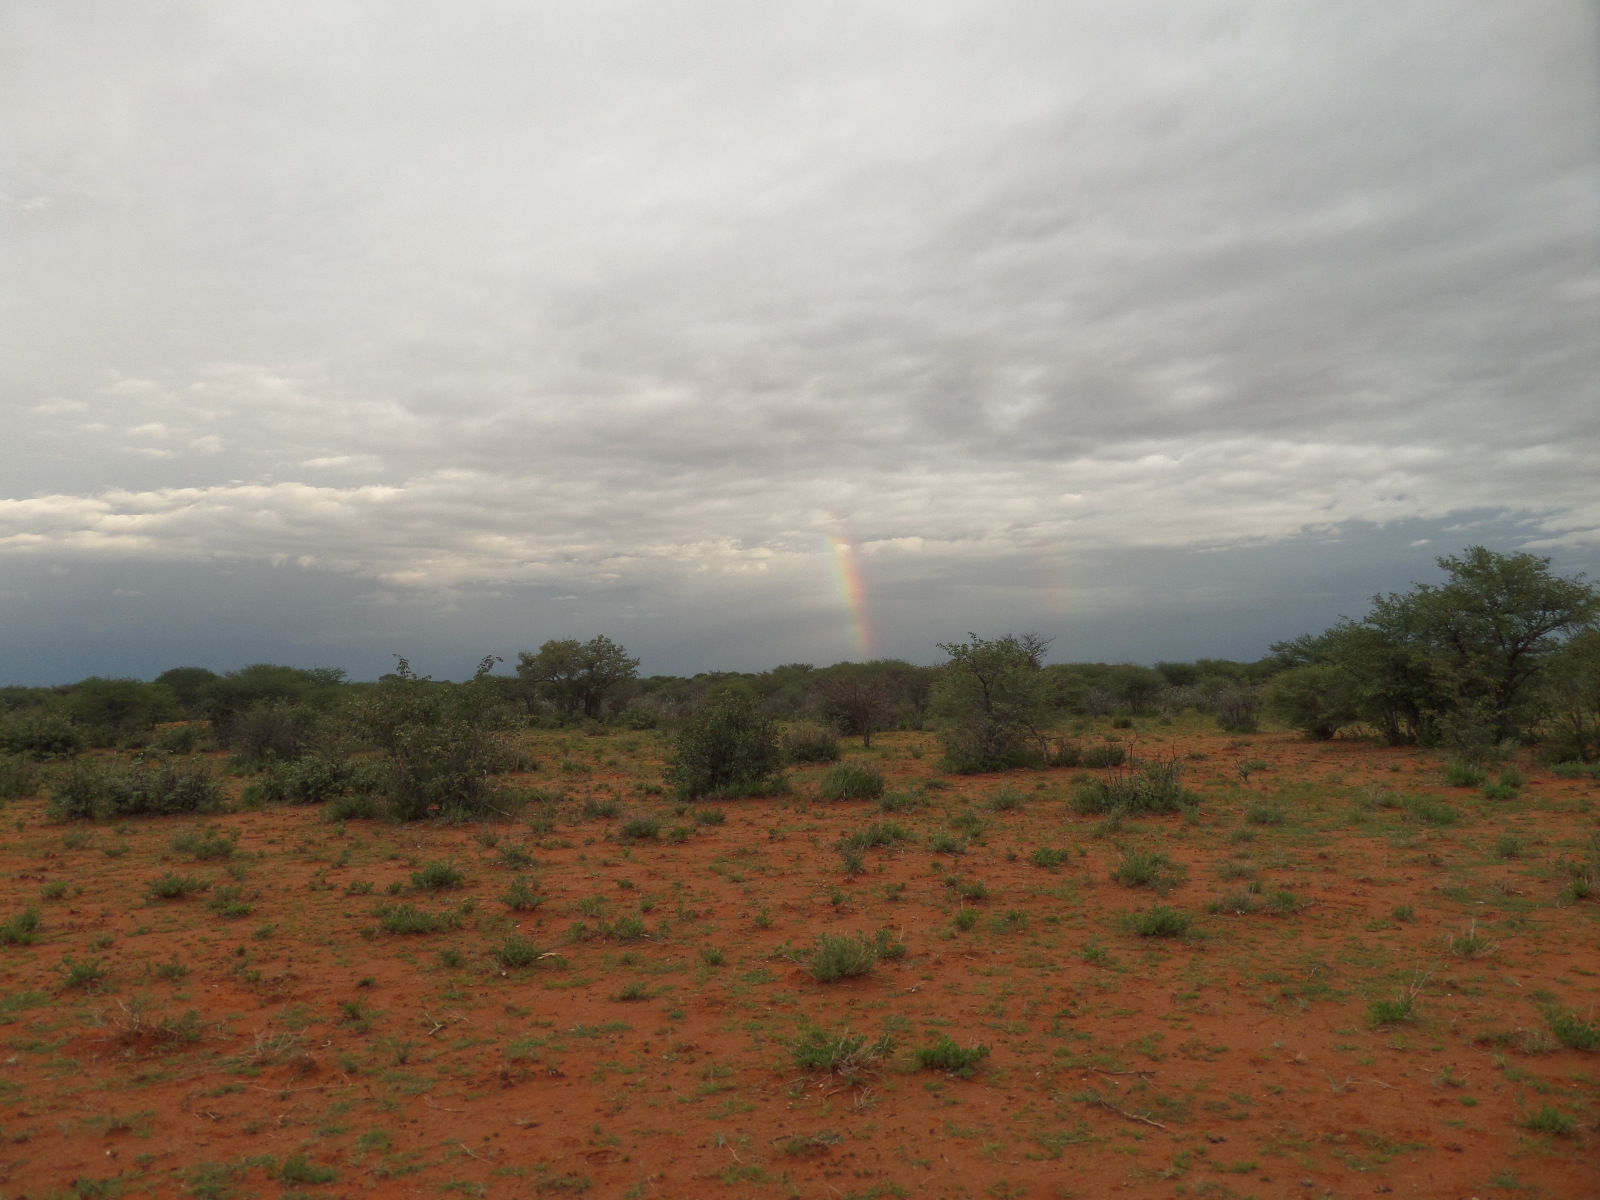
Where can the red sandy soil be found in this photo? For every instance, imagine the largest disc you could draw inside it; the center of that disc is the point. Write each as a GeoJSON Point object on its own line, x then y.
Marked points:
{"type": "Point", "coordinates": [324, 1057]}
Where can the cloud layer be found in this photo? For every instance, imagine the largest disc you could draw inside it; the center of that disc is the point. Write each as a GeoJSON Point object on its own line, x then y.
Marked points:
{"type": "Point", "coordinates": [620, 293]}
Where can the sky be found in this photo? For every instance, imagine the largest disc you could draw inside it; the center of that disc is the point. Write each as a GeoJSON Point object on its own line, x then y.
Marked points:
{"type": "Point", "coordinates": [748, 334]}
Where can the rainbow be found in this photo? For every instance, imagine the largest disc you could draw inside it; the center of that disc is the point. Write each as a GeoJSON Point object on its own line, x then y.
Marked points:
{"type": "Point", "coordinates": [851, 591]}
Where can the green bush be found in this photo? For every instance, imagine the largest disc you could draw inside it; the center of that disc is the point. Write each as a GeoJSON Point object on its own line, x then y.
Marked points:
{"type": "Point", "coordinates": [175, 887]}
{"type": "Point", "coordinates": [900, 802]}
{"type": "Point", "coordinates": [1464, 774]}
{"type": "Point", "coordinates": [946, 843]}
{"type": "Point", "coordinates": [1007, 799]}
{"type": "Point", "coordinates": [87, 975]}
{"type": "Point", "coordinates": [1154, 786]}
{"type": "Point", "coordinates": [810, 742]}
{"type": "Point", "coordinates": [437, 877]}
{"type": "Point", "coordinates": [272, 730]}
{"type": "Point", "coordinates": [106, 791]}
{"type": "Point", "coordinates": [839, 957]}
{"type": "Point", "coordinates": [710, 816]}
{"type": "Point", "coordinates": [521, 897]}
{"type": "Point", "coordinates": [18, 777]}
{"type": "Point", "coordinates": [995, 703]}
{"type": "Point", "coordinates": [600, 810]}
{"type": "Point", "coordinates": [947, 1054]}
{"type": "Point", "coordinates": [314, 779]}
{"type": "Point", "coordinates": [230, 903]}
{"type": "Point", "coordinates": [1572, 1030]}
{"type": "Point", "coordinates": [210, 843]}
{"type": "Point", "coordinates": [1402, 1009]}
{"type": "Point", "coordinates": [1141, 868]}
{"type": "Point", "coordinates": [39, 734]}
{"type": "Point", "coordinates": [641, 827]}
{"type": "Point", "coordinates": [1158, 921]}
{"type": "Point", "coordinates": [407, 918]}
{"type": "Point", "coordinates": [730, 749]}
{"type": "Point", "coordinates": [1431, 811]}
{"type": "Point", "coordinates": [1106, 754]}
{"type": "Point", "coordinates": [847, 1054]}
{"type": "Point", "coordinates": [1266, 814]}
{"type": "Point", "coordinates": [1551, 1120]}
{"type": "Point", "coordinates": [1315, 699]}
{"type": "Point", "coordinates": [20, 929]}
{"type": "Point", "coordinates": [353, 807]}
{"type": "Point", "coordinates": [1049, 859]}
{"type": "Point", "coordinates": [514, 952]}
{"type": "Point", "coordinates": [849, 781]}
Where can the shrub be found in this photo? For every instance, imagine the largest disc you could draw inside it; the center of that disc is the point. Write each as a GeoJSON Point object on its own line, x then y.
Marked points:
{"type": "Point", "coordinates": [946, 843]}
{"type": "Point", "coordinates": [1314, 699]}
{"type": "Point", "coordinates": [966, 919]}
{"type": "Point", "coordinates": [710, 816]}
{"type": "Point", "coordinates": [811, 743]}
{"type": "Point", "coordinates": [297, 1168]}
{"type": "Point", "coordinates": [1431, 811]}
{"type": "Point", "coordinates": [947, 1054]}
{"type": "Point", "coordinates": [1106, 754]}
{"type": "Point", "coordinates": [1240, 903]}
{"type": "Point", "coordinates": [1141, 868]}
{"type": "Point", "coordinates": [1401, 1009]}
{"type": "Point", "coordinates": [174, 887]}
{"type": "Point", "coordinates": [514, 952]}
{"type": "Point", "coordinates": [352, 807]}
{"type": "Point", "coordinates": [437, 876]}
{"type": "Point", "coordinates": [1158, 921]}
{"type": "Point", "coordinates": [1464, 774]}
{"type": "Point", "coordinates": [847, 1054]}
{"type": "Point", "coordinates": [730, 749]}
{"type": "Point", "coordinates": [879, 833]}
{"type": "Point", "coordinates": [1007, 799]}
{"type": "Point", "coordinates": [995, 701]}
{"type": "Point", "coordinates": [87, 975]}
{"type": "Point", "coordinates": [230, 903]}
{"type": "Point", "coordinates": [849, 781]}
{"type": "Point", "coordinates": [190, 737]}
{"type": "Point", "coordinates": [900, 802]}
{"type": "Point", "coordinates": [18, 777]}
{"type": "Point", "coordinates": [1266, 814]}
{"type": "Point", "coordinates": [272, 729]}
{"type": "Point", "coordinates": [103, 791]}
{"type": "Point", "coordinates": [521, 897]}
{"type": "Point", "coordinates": [1048, 858]}
{"type": "Point", "coordinates": [407, 918]}
{"type": "Point", "coordinates": [1551, 1120]}
{"type": "Point", "coordinates": [205, 844]}
{"type": "Point", "coordinates": [39, 734]}
{"type": "Point", "coordinates": [20, 929]}
{"type": "Point", "coordinates": [838, 957]}
{"type": "Point", "coordinates": [1154, 786]}
{"type": "Point", "coordinates": [314, 779]}
{"type": "Point", "coordinates": [600, 810]}
{"type": "Point", "coordinates": [1573, 1031]}
{"type": "Point", "coordinates": [1237, 708]}
{"type": "Point", "coordinates": [642, 827]}
{"type": "Point", "coordinates": [1499, 791]}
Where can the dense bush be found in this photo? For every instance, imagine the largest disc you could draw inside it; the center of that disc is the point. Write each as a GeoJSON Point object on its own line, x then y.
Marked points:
{"type": "Point", "coordinates": [850, 781]}
{"type": "Point", "coordinates": [809, 742]}
{"type": "Point", "coordinates": [1147, 786]}
{"type": "Point", "coordinates": [39, 734]}
{"type": "Point", "coordinates": [994, 701]}
{"type": "Point", "coordinates": [730, 749]}
{"type": "Point", "coordinates": [19, 776]}
{"type": "Point", "coordinates": [1315, 699]}
{"type": "Point", "coordinates": [104, 791]}
{"type": "Point", "coordinates": [273, 730]}
{"type": "Point", "coordinates": [314, 780]}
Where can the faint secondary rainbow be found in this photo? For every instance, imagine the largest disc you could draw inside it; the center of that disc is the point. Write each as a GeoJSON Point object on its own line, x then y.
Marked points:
{"type": "Point", "coordinates": [851, 591]}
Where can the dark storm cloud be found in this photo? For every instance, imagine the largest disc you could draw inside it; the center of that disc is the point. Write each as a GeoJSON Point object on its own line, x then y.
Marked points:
{"type": "Point", "coordinates": [625, 294]}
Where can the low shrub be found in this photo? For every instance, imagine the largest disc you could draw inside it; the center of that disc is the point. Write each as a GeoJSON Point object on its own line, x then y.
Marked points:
{"type": "Point", "coordinates": [1106, 754]}
{"type": "Point", "coordinates": [1158, 921]}
{"type": "Point", "coordinates": [1140, 868]}
{"type": "Point", "coordinates": [946, 843]}
{"type": "Point", "coordinates": [1266, 814]}
{"type": "Point", "coordinates": [850, 781]}
{"type": "Point", "coordinates": [1464, 774]}
{"type": "Point", "coordinates": [515, 952]}
{"type": "Point", "coordinates": [1400, 1010]}
{"type": "Point", "coordinates": [846, 1054]}
{"type": "Point", "coordinates": [1049, 859]}
{"type": "Point", "coordinates": [810, 742]}
{"type": "Point", "coordinates": [1572, 1030]}
{"type": "Point", "coordinates": [641, 827]}
{"type": "Point", "coordinates": [1430, 810]}
{"type": "Point", "coordinates": [437, 877]}
{"type": "Point", "coordinates": [1007, 799]}
{"type": "Point", "coordinates": [18, 777]}
{"type": "Point", "coordinates": [87, 975]}
{"type": "Point", "coordinates": [1154, 786]}
{"type": "Point", "coordinates": [947, 1054]}
{"type": "Point", "coordinates": [407, 918]}
{"type": "Point", "coordinates": [520, 896]}
{"type": "Point", "coordinates": [315, 779]}
{"type": "Point", "coordinates": [730, 749]}
{"type": "Point", "coordinates": [1551, 1120]}
{"type": "Point", "coordinates": [354, 806]}
{"type": "Point", "coordinates": [106, 791]}
{"type": "Point", "coordinates": [900, 802]}
{"type": "Point", "coordinates": [20, 929]}
{"type": "Point", "coordinates": [840, 957]}
{"type": "Point", "coordinates": [230, 903]}
{"type": "Point", "coordinates": [38, 734]}
{"type": "Point", "coordinates": [202, 845]}
{"type": "Point", "coordinates": [175, 887]}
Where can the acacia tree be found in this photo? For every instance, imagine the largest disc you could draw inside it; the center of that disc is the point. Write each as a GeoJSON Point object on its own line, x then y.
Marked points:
{"type": "Point", "coordinates": [577, 677]}
{"type": "Point", "coordinates": [1457, 656]}
{"type": "Point", "coordinates": [995, 700]}
{"type": "Point", "coordinates": [868, 696]}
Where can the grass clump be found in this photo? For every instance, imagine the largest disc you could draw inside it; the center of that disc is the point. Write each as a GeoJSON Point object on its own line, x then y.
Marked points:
{"type": "Point", "coordinates": [1464, 775]}
{"type": "Point", "coordinates": [641, 827]}
{"type": "Point", "coordinates": [230, 903]}
{"type": "Point", "coordinates": [1153, 786]}
{"type": "Point", "coordinates": [1107, 754]}
{"type": "Point", "coordinates": [1572, 1030]}
{"type": "Point", "coordinates": [950, 1056]}
{"type": "Point", "coordinates": [1399, 1011]}
{"type": "Point", "coordinates": [1140, 868]}
{"type": "Point", "coordinates": [205, 844]}
{"type": "Point", "coordinates": [437, 877]}
{"type": "Point", "coordinates": [841, 957]}
{"type": "Point", "coordinates": [1266, 814]}
{"type": "Point", "coordinates": [20, 929]}
{"type": "Point", "coordinates": [520, 896]}
{"type": "Point", "coordinates": [409, 919]}
{"type": "Point", "coordinates": [946, 843]}
{"type": "Point", "coordinates": [846, 1054]}
{"type": "Point", "coordinates": [1551, 1120]}
{"type": "Point", "coordinates": [851, 781]}
{"type": "Point", "coordinates": [1048, 858]}
{"type": "Point", "coordinates": [1159, 920]}
{"type": "Point", "coordinates": [1430, 810]}
{"type": "Point", "coordinates": [87, 975]}
{"type": "Point", "coordinates": [810, 742]}
{"type": "Point", "coordinates": [175, 887]}
{"type": "Point", "coordinates": [515, 952]}
{"type": "Point", "coordinates": [1007, 799]}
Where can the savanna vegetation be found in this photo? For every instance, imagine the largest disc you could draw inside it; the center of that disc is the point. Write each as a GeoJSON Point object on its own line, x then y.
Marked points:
{"type": "Point", "coordinates": [1202, 928]}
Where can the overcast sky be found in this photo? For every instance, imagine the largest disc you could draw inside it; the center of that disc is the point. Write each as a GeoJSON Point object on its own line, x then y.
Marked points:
{"type": "Point", "coordinates": [330, 330]}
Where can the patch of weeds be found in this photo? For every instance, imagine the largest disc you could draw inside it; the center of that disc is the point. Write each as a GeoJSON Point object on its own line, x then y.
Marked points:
{"type": "Point", "coordinates": [437, 877]}
{"type": "Point", "coordinates": [1550, 1120]}
{"type": "Point", "coordinates": [1464, 775]}
{"type": "Point", "coordinates": [515, 952]}
{"type": "Point", "coordinates": [1471, 943]}
{"type": "Point", "coordinates": [20, 929]}
{"type": "Point", "coordinates": [407, 919]}
{"type": "Point", "coordinates": [966, 919]}
{"type": "Point", "coordinates": [852, 781]}
{"type": "Point", "coordinates": [641, 827]}
{"type": "Point", "coordinates": [1007, 799]}
{"type": "Point", "coordinates": [230, 903]}
{"type": "Point", "coordinates": [1430, 810]}
{"type": "Point", "coordinates": [1158, 921]}
{"type": "Point", "coordinates": [634, 990]}
{"type": "Point", "coordinates": [1049, 859]}
{"type": "Point", "coordinates": [520, 896]}
{"type": "Point", "coordinates": [948, 1055]}
{"type": "Point", "coordinates": [846, 1054]}
{"type": "Point", "coordinates": [946, 843]}
{"type": "Point", "coordinates": [1509, 845]}
{"type": "Point", "coordinates": [1572, 1030]}
{"type": "Point", "coordinates": [1140, 868]}
{"type": "Point", "coordinates": [207, 844]}
{"type": "Point", "coordinates": [297, 1168]}
{"type": "Point", "coordinates": [87, 975]}
{"type": "Point", "coordinates": [514, 856]}
{"type": "Point", "coordinates": [709, 816]}
{"type": "Point", "coordinates": [175, 887]}
{"type": "Point", "coordinates": [840, 957]}
{"type": "Point", "coordinates": [712, 957]}
{"type": "Point", "coordinates": [1266, 814]}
